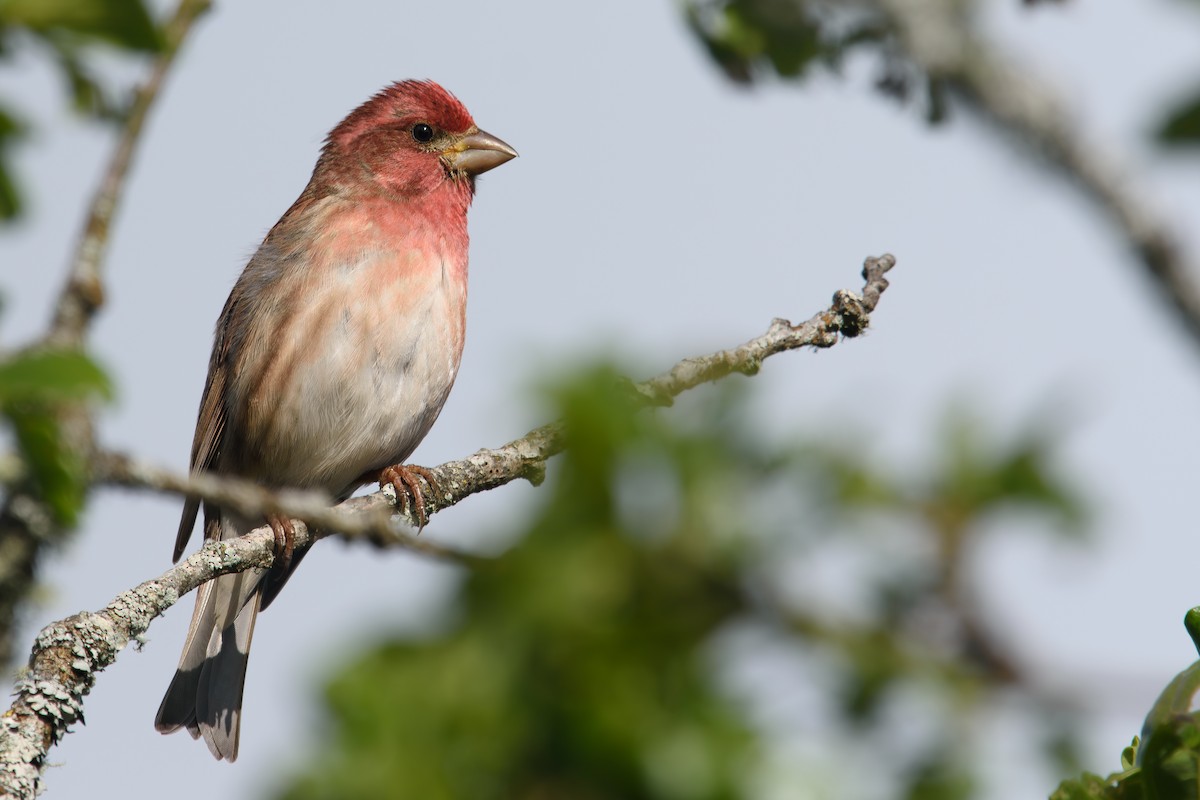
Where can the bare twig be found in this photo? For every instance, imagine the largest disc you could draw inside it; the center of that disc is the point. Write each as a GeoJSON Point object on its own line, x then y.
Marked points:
{"type": "Point", "coordinates": [68, 654]}
{"type": "Point", "coordinates": [942, 38]}
{"type": "Point", "coordinates": [26, 523]}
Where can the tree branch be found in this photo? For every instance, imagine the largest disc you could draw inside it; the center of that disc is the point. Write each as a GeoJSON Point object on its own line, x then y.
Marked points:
{"type": "Point", "coordinates": [26, 523]}
{"type": "Point", "coordinates": [525, 458]}
{"type": "Point", "coordinates": [373, 519]}
{"type": "Point", "coordinates": [67, 655]}
{"type": "Point", "coordinates": [942, 38]}
{"type": "Point", "coordinates": [83, 293]}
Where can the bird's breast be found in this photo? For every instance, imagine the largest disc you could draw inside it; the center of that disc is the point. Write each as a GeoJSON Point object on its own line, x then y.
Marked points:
{"type": "Point", "coordinates": [359, 369]}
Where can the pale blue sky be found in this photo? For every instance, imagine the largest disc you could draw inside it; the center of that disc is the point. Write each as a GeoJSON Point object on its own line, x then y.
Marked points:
{"type": "Point", "coordinates": [658, 211]}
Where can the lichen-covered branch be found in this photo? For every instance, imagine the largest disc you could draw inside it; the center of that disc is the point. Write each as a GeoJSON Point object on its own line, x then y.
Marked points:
{"type": "Point", "coordinates": [373, 519]}
{"type": "Point", "coordinates": [69, 654]}
{"type": "Point", "coordinates": [942, 37]}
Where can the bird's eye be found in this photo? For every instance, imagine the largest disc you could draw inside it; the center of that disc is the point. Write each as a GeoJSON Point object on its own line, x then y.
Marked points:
{"type": "Point", "coordinates": [422, 132]}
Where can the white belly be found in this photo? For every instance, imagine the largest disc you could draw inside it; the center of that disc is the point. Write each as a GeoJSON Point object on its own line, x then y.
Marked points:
{"type": "Point", "coordinates": [362, 395]}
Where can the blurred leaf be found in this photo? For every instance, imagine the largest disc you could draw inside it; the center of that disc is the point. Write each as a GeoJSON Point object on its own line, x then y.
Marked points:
{"type": "Point", "coordinates": [57, 472]}
{"type": "Point", "coordinates": [937, 107]}
{"type": "Point", "coordinates": [10, 198]}
{"type": "Point", "coordinates": [787, 38]}
{"type": "Point", "coordinates": [33, 388]}
{"type": "Point", "coordinates": [730, 58]}
{"type": "Point", "coordinates": [742, 33]}
{"type": "Point", "coordinates": [1182, 124]}
{"type": "Point", "coordinates": [1061, 743]}
{"type": "Point", "coordinates": [978, 477]}
{"type": "Point", "coordinates": [854, 482]}
{"type": "Point", "coordinates": [779, 31]}
{"type": "Point", "coordinates": [51, 376]}
{"type": "Point", "coordinates": [87, 95]}
{"type": "Point", "coordinates": [10, 126]}
{"type": "Point", "coordinates": [66, 27]}
{"type": "Point", "coordinates": [975, 477]}
{"type": "Point", "coordinates": [875, 667]}
{"type": "Point", "coordinates": [1093, 787]}
{"type": "Point", "coordinates": [124, 23]}
{"type": "Point", "coordinates": [940, 779]}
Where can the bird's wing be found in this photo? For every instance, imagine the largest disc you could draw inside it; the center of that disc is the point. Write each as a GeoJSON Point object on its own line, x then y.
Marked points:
{"type": "Point", "coordinates": [210, 426]}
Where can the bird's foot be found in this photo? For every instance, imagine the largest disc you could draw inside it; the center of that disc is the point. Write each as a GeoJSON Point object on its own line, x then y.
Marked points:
{"type": "Point", "coordinates": [403, 478]}
{"type": "Point", "coordinates": [285, 540]}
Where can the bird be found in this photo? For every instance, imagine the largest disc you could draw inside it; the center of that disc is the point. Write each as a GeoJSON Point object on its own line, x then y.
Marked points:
{"type": "Point", "coordinates": [331, 359]}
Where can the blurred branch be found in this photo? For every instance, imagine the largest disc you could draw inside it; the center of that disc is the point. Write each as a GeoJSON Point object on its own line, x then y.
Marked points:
{"type": "Point", "coordinates": [26, 521]}
{"type": "Point", "coordinates": [942, 38]}
{"type": "Point", "coordinates": [83, 293]}
{"type": "Point", "coordinates": [68, 654]}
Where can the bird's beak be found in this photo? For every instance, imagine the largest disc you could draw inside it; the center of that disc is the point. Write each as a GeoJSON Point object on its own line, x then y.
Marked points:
{"type": "Point", "coordinates": [478, 152]}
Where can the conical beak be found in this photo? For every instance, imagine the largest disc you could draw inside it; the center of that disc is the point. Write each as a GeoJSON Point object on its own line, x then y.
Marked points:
{"type": "Point", "coordinates": [478, 152]}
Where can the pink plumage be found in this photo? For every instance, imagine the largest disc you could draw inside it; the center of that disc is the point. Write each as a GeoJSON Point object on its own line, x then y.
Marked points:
{"type": "Point", "coordinates": [332, 357]}
{"type": "Point", "coordinates": [419, 100]}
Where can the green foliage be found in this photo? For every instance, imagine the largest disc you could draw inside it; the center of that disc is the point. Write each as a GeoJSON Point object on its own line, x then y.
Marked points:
{"type": "Point", "coordinates": [741, 34]}
{"type": "Point", "coordinates": [35, 387]}
{"type": "Point", "coordinates": [50, 376]}
{"type": "Point", "coordinates": [1091, 787]}
{"type": "Point", "coordinates": [69, 30]}
{"type": "Point", "coordinates": [973, 477]}
{"type": "Point", "coordinates": [939, 780]}
{"type": "Point", "coordinates": [1164, 762]}
{"type": "Point", "coordinates": [585, 662]}
{"type": "Point", "coordinates": [10, 131]}
{"type": "Point", "coordinates": [580, 669]}
{"type": "Point", "coordinates": [1182, 124]}
{"type": "Point", "coordinates": [978, 477]}
{"type": "Point", "coordinates": [748, 39]}
{"type": "Point", "coordinates": [126, 24]}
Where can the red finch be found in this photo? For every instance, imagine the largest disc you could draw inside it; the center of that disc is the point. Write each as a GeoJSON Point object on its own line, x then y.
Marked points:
{"type": "Point", "coordinates": [332, 358]}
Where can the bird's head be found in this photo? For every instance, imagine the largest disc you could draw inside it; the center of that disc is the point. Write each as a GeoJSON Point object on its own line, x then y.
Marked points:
{"type": "Point", "coordinates": [410, 139]}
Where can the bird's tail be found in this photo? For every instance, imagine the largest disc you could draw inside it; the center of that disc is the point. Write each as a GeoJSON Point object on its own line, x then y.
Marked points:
{"type": "Point", "coordinates": [205, 696]}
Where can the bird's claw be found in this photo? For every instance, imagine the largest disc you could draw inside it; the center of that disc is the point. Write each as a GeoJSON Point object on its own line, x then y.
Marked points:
{"type": "Point", "coordinates": [285, 539]}
{"type": "Point", "coordinates": [403, 478]}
